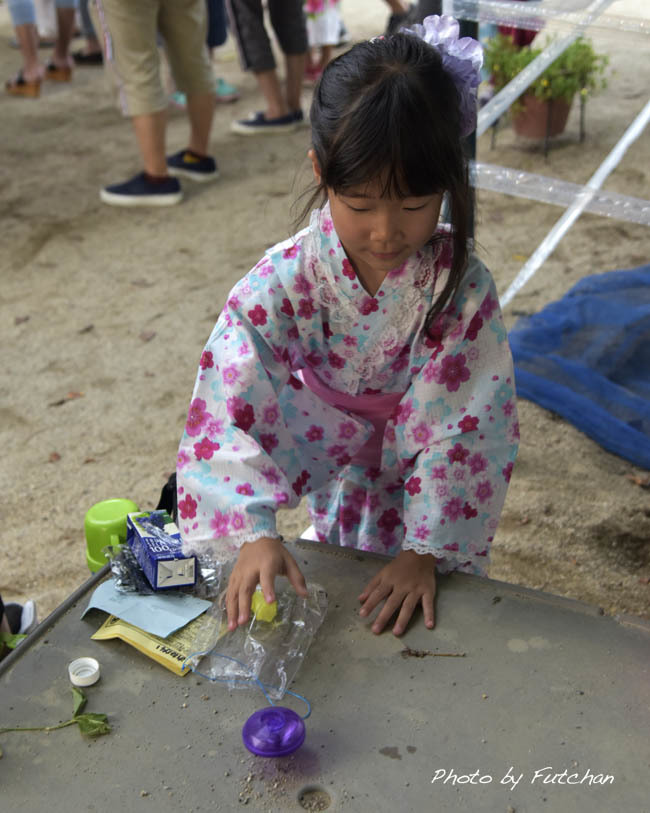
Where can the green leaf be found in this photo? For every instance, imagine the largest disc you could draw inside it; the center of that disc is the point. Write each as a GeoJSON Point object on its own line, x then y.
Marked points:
{"type": "Point", "coordinates": [10, 639]}
{"type": "Point", "coordinates": [93, 725]}
{"type": "Point", "coordinates": [79, 700]}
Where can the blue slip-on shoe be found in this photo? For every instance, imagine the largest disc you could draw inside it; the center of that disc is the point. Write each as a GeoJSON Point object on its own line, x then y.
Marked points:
{"type": "Point", "coordinates": [187, 164]}
{"type": "Point", "coordinates": [140, 191]}
{"type": "Point", "coordinates": [257, 123]}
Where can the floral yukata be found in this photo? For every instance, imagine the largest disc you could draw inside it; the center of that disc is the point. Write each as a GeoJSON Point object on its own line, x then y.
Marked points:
{"type": "Point", "coordinates": [401, 440]}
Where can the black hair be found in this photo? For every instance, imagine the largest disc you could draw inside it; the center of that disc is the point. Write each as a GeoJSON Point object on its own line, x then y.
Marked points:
{"type": "Point", "coordinates": [388, 109]}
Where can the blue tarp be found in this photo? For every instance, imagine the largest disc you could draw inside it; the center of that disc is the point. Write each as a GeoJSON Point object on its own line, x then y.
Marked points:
{"type": "Point", "coordinates": [587, 358]}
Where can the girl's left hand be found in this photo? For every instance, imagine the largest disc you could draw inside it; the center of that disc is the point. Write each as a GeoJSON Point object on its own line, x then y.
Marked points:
{"type": "Point", "coordinates": [409, 580]}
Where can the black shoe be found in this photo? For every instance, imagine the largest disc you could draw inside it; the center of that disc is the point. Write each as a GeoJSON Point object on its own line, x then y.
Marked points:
{"type": "Point", "coordinates": [82, 58]}
{"type": "Point", "coordinates": [140, 191]}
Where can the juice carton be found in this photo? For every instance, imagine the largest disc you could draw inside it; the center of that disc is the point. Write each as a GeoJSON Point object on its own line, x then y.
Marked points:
{"type": "Point", "coordinates": [155, 541]}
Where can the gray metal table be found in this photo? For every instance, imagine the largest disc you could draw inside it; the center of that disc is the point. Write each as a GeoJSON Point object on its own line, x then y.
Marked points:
{"type": "Point", "coordinates": [547, 685]}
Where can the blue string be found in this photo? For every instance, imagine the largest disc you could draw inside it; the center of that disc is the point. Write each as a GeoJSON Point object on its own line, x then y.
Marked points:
{"type": "Point", "coordinates": [263, 686]}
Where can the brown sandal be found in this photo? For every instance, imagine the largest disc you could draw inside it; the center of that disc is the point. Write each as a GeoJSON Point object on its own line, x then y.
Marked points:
{"type": "Point", "coordinates": [56, 74]}
{"type": "Point", "coordinates": [21, 87]}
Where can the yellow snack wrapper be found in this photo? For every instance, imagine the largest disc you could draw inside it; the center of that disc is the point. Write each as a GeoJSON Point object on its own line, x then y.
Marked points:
{"type": "Point", "coordinates": [170, 651]}
{"type": "Point", "coordinates": [261, 609]}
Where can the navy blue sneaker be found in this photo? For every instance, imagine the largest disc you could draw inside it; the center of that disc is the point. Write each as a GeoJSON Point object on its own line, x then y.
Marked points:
{"type": "Point", "coordinates": [258, 123]}
{"type": "Point", "coordinates": [140, 191]}
{"type": "Point", "coordinates": [187, 164]}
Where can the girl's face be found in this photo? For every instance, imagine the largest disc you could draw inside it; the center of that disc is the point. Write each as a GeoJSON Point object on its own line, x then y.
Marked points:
{"type": "Point", "coordinates": [380, 233]}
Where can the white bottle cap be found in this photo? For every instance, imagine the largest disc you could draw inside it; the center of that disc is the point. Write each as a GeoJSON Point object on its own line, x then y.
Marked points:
{"type": "Point", "coordinates": [83, 671]}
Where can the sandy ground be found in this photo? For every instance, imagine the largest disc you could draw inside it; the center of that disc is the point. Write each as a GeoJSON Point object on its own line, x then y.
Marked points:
{"type": "Point", "coordinates": [104, 312]}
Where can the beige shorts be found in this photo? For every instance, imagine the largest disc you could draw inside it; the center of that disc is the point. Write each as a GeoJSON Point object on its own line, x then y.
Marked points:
{"type": "Point", "coordinates": [129, 32]}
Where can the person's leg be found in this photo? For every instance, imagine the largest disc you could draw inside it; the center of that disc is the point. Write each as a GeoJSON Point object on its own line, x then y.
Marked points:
{"type": "Point", "coordinates": [65, 19]}
{"type": "Point", "coordinates": [150, 134]}
{"type": "Point", "coordinates": [200, 110]}
{"type": "Point", "coordinates": [23, 18]}
{"type": "Point", "coordinates": [289, 24]}
{"type": "Point", "coordinates": [91, 53]}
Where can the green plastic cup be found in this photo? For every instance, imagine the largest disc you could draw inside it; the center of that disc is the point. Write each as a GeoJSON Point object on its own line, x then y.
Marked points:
{"type": "Point", "coordinates": [105, 524]}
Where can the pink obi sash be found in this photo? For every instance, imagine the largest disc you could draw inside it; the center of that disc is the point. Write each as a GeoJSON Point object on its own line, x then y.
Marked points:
{"type": "Point", "coordinates": [375, 408]}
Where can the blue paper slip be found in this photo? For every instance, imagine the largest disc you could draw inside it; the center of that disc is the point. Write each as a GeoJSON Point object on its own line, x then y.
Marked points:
{"type": "Point", "coordinates": [158, 614]}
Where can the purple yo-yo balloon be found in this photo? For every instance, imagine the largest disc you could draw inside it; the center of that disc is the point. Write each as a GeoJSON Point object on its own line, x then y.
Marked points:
{"type": "Point", "coordinates": [273, 732]}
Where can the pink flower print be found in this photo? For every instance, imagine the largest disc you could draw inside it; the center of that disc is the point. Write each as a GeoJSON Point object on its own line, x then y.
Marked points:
{"type": "Point", "coordinates": [403, 411]}
{"type": "Point", "coordinates": [281, 498]}
{"type": "Point", "coordinates": [245, 488]}
{"type": "Point", "coordinates": [214, 427]}
{"type": "Point", "coordinates": [474, 326]}
{"type": "Point", "coordinates": [207, 360]}
{"type": "Point", "coordinates": [468, 511]}
{"type": "Point", "coordinates": [187, 507]}
{"type": "Point", "coordinates": [413, 486]}
{"type": "Point", "coordinates": [347, 430]}
{"type": "Point", "coordinates": [357, 497]}
{"type": "Point", "coordinates": [293, 333]}
{"type": "Point", "coordinates": [507, 472]}
{"type": "Point", "coordinates": [271, 414]}
{"type": "Point", "coordinates": [508, 408]}
{"type": "Point", "coordinates": [350, 341]}
{"type": "Point", "coordinates": [458, 454]}
{"type": "Point", "coordinates": [326, 226]}
{"type": "Point", "coordinates": [422, 434]}
{"type": "Point", "coordinates": [314, 433]}
{"type": "Point", "coordinates": [182, 459]}
{"type": "Point", "coordinates": [399, 364]}
{"type": "Point", "coordinates": [314, 359]}
{"type": "Point", "coordinates": [233, 302]}
{"type": "Point", "coordinates": [336, 361]}
{"type": "Point", "coordinates": [271, 475]}
{"type": "Point", "coordinates": [453, 371]}
{"type": "Point", "coordinates": [302, 285]}
{"type": "Point", "coordinates": [459, 474]}
{"type": "Point", "coordinates": [369, 305]}
{"type": "Point", "coordinates": [306, 309]}
{"type": "Point", "coordinates": [477, 463]}
{"type": "Point", "coordinates": [389, 520]}
{"type": "Point", "coordinates": [257, 315]}
{"type": "Point", "coordinates": [243, 414]}
{"type": "Point", "coordinates": [421, 532]}
{"type": "Point", "coordinates": [453, 509]}
{"type": "Point", "coordinates": [287, 307]}
{"type": "Point", "coordinates": [244, 349]}
{"type": "Point", "coordinates": [291, 252]}
{"type": "Point", "coordinates": [349, 517]}
{"type": "Point", "coordinates": [237, 521]}
{"type": "Point", "coordinates": [327, 330]}
{"type": "Point", "coordinates": [513, 432]}
{"type": "Point", "coordinates": [230, 374]}
{"type": "Point", "coordinates": [442, 491]}
{"type": "Point", "coordinates": [269, 441]}
{"type": "Point", "coordinates": [196, 417]}
{"type": "Point", "coordinates": [431, 372]}
{"type": "Point", "coordinates": [348, 271]}
{"type": "Point", "coordinates": [452, 547]}
{"type": "Point", "coordinates": [205, 449]}
{"type": "Point", "coordinates": [488, 306]}
{"type": "Point", "coordinates": [389, 434]}
{"type": "Point", "coordinates": [484, 491]}
{"type": "Point", "coordinates": [468, 424]}
{"type": "Point", "coordinates": [219, 524]}
{"type": "Point", "coordinates": [439, 473]}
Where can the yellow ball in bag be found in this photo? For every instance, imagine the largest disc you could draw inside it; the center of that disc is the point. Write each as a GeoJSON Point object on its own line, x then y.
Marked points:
{"type": "Point", "coordinates": [261, 609]}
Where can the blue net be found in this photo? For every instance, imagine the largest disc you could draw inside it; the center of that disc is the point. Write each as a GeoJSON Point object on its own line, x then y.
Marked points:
{"type": "Point", "coordinates": [587, 358]}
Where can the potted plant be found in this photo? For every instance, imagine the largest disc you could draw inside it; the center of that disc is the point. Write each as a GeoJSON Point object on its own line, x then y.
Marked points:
{"type": "Point", "coordinates": [544, 108]}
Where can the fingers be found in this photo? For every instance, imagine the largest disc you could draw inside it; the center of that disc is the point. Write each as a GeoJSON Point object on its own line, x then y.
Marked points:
{"type": "Point", "coordinates": [379, 592]}
{"type": "Point", "coordinates": [408, 605]}
{"type": "Point", "coordinates": [370, 587]}
{"type": "Point", "coordinates": [267, 579]}
{"type": "Point", "coordinates": [296, 579]}
{"type": "Point", "coordinates": [427, 610]}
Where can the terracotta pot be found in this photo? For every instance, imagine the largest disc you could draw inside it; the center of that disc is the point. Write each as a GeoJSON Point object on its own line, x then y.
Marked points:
{"type": "Point", "coordinates": [532, 121]}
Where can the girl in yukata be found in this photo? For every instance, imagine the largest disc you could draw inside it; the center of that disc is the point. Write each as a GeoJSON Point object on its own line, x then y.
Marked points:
{"type": "Point", "coordinates": [364, 362]}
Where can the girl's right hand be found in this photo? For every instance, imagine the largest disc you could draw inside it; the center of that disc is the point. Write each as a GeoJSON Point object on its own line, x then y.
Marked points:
{"type": "Point", "coordinates": [259, 562]}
